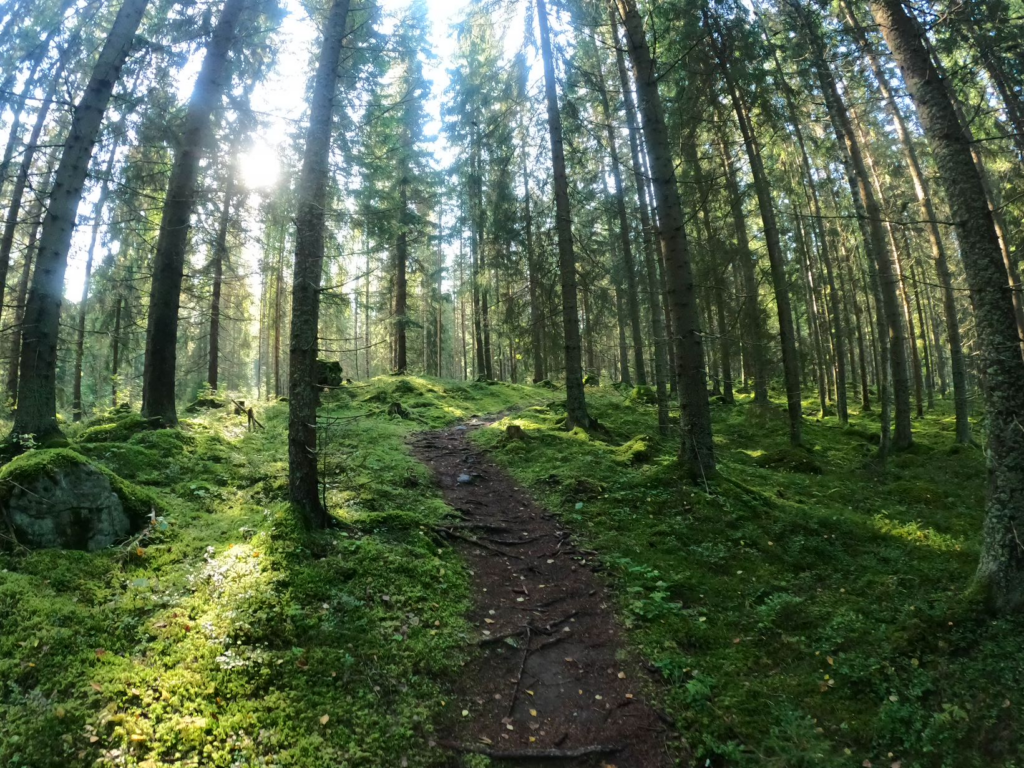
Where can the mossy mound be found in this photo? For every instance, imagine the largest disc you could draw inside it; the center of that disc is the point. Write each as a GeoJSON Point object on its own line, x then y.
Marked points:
{"type": "Point", "coordinates": [206, 403]}
{"type": "Point", "coordinates": [644, 395]}
{"type": "Point", "coordinates": [789, 459]}
{"type": "Point", "coordinates": [118, 431]}
{"type": "Point", "coordinates": [545, 383]}
{"type": "Point", "coordinates": [591, 380]}
{"type": "Point", "coordinates": [636, 451]}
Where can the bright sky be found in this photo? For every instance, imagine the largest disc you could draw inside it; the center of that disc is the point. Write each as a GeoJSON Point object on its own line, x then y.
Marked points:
{"type": "Point", "coordinates": [280, 102]}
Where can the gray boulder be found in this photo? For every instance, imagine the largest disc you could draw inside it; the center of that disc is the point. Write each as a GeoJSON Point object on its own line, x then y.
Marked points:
{"type": "Point", "coordinates": [65, 502]}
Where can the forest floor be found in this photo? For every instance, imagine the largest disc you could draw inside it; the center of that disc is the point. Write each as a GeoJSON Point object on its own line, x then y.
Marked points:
{"type": "Point", "coordinates": [804, 608]}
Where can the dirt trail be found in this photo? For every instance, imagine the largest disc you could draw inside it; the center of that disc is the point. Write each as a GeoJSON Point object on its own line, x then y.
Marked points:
{"type": "Point", "coordinates": [552, 675]}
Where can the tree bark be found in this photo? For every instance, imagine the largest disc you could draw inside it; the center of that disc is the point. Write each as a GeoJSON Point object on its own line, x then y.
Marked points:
{"type": "Point", "coordinates": [647, 231]}
{"type": "Point", "coordinates": [922, 191]}
{"type": "Point", "coordinates": [21, 183]}
{"type": "Point", "coordinates": [697, 449]}
{"type": "Point", "coordinates": [776, 259]}
{"type": "Point", "coordinates": [576, 404]}
{"type": "Point", "coordinates": [401, 288]}
{"type": "Point", "coordinates": [37, 391]}
{"type": "Point", "coordinates": [869, 216]}
{"type": "Point", "coordinates": [83, 305]}
{"type": "Point", "coordinates": [159, 369]}
{"type": "Point", "coordinates": [311, 205]}
{"type": "Point", "coordinates": [1001, 568]}
{"type": "Point", "coordinates": [220, 254]}
{"type": "Point", "coordinates": [625, 241]}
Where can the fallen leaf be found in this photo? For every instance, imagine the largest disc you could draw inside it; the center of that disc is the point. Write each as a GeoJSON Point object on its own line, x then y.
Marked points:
{"type": "Point", "coordinates": [324, 719]}
{"type": "Point", "coordinates": [622, 675]}
{"type": "Point", "coordinates": [533, 712]}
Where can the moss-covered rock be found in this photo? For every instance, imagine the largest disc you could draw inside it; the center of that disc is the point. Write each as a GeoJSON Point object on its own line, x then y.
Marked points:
{"type": "Point", "coordinates": [591, 380]}
{"type": "Point", "coordinates": [790, 459]}
{"type": "Point", "coordinates": [206, 403]}
{"type": "Point", "coordinates": [57, 498]}
{"type": "Point", "coordinates": [119, 431]}
{"type": "Point", "coordinates": [328, 373]}
{"type": "Point", "coordinates": [636, 451]}
{"type": "Point", "coordinates": [644, 395]}
{"type": "Point", "coordinates": [545, 383]}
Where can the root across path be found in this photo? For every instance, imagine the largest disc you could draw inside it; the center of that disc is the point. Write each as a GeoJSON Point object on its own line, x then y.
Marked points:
{"type": "Point", "coordinates": [552, 684]}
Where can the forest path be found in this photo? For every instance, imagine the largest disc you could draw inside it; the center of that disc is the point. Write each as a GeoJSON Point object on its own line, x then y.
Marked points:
{"type": "Point", "coordinates": [552, 675]}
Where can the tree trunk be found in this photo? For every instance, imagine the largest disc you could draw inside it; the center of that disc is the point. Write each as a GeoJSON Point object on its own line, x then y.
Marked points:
{"type": "Point", "coordinates": [1001, 569]}
{"type": "Point", "coordinates": [536, 324]}
{"type": "Point", "coordinates": [83, 305]}
{"type": "Point", "coordinates": [869, 216]}
{"type": "Point", "coordinates": [776, 259]}
{"type": "Point", "coordinates": [37, 392]}
{"type": "Point", "coordinates": [220, 254]}
{"type": "Point", "coordinates": [115, 351]}
{"type": "Point", "coordinates": [159, 370]}
{"type": "Point", "coordinates": [625, 241]}
{"type": "Point", "coordinates": [576, 404]}
{"type": "Point", "coordinates": [21, 183]}
{"type": "Point", "coordinates": [310, 217]}
{"type": "Point", "coordinates": [401, 289]}
{"type": "Point", "coordinates": [755, 332]}
{"type": "Point", "coordinates": [697, 449]}
{"type": "Point", "coordinates": [834, 301]}
{"type": "Point", "coordinates": [922, 191]}
{"type": "Point", "coordinates": [647, 231]}
{"type": "Point", "coordinates": [34, 221]}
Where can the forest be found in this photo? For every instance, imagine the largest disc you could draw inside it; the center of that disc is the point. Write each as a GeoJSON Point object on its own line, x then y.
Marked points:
{"type": "Point", "coordinates": [467, 383]}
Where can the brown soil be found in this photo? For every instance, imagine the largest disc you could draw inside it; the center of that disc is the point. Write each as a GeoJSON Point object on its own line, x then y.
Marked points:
{"type": "Point", "coordinates": [552, 675]}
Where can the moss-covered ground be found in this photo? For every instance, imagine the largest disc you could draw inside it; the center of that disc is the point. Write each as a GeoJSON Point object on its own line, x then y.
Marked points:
{"type": "Point", "coordinates": [804, 608]}
{"type": "Point", "coordinates": [229, 635]}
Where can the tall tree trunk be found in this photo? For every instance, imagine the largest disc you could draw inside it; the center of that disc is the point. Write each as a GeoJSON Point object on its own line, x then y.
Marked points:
{"type": "Point", "coordinates": [1001, 569]}
{"type": "Point", "coordinates": [625, 241]}
{"type": "Point", "coordinates": [834, 300]}
{"type": "Point", "coordinates": [647, 230]}
{"type": "Point", "coordinates": [697, 449]}
{"type": "Point", "coordinates": [278, 315]}
{"type": "Point", "coordinates": [756, 334]}
{"type": "Point", "coordinates": [401, 289]}
{"type": "Point", "coordinates": [220, 254]}
{"type": "Point", "coordinates": [922, 191]}
{"type": "Point", "coordinates": [536, 324]}
{"type": "Point", "coordinates": [83, 305]}
{"type": "Point", "coordinates": [776, 259]}
{"type": "Point", "coordinates": [869, 216]}
{"type": "Point", "coordinates": [575, 404]}
{"type": "Point", "coordinates": [37, 391]}
{"type": "Point", "coordinates": [159, 370]}
{"type": "Point", "coordinates": [310, 217]}
{"type": "Point", "coordinates": [34, 221]}
{"type": "Point", "coordinates": [115, 351]}
{"type": "Point", "coordinates": [21, 182]}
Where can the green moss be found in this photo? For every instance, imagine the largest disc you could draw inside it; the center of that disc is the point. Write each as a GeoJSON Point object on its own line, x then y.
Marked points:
{"type": "Point", "coordinates": [644, 395]}
{"type": "Point", "coordinates": [228, 635]}
{"type": "Point", "coordinates": [118, 431]}
{"type": "Point", "coordinates": [798, 617]}
{"type": "Point", "coordinates": [636, 451]}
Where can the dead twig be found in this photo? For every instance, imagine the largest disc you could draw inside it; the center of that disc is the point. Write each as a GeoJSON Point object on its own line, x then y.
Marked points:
{"type": "Point", "coordinates": [530, 754]}
{"type": "Point", "coordinates": [519, 677]}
